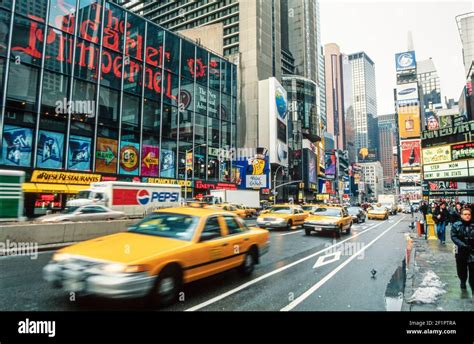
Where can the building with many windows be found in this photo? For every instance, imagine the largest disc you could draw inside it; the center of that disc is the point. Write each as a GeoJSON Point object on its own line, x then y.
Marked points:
{"type": "Point", "coordinates": [429, 82]}
{"type": "Point", "coordinates": [373, 175]}
{"type": "Point", "coordinates": [108, 96]}
{"type": "Point", "coordinates": [388, 137]}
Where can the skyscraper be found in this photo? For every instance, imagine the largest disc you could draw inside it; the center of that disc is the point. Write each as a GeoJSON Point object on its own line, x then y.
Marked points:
{"type": "Point", "coordinates": [466, 32]}
{"type": "Point", "coordinates": [335, 94]}
{"type": "Point", "coordinates": [429, 82]}
{"type": "Point", "coordinates": [388, 138]}
{"type": "Point", "coordinates": [364, 97]}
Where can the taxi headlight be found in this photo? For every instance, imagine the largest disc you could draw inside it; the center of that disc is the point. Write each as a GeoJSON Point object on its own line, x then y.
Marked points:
{"type": "Point", "coordinates": [60, 257]}
{"type": "Point", "coordinates": [122, 268]}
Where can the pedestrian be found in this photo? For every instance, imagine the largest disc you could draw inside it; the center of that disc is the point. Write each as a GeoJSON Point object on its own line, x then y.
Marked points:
{"type": "Point", "coordinates": [424, 210]}
{"type": "Point", "coordinates": [455, 213]}
{"type": "Point", "coordinates": [462, 235]}
{"type": "Point", "coordinates": [441, 217]}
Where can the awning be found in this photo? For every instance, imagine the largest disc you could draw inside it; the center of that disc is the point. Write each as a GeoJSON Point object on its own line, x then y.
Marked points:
{"type": "Point", "coordinates": [76, 188]}
{"type": "Point", "coordinates": [29, 187]}
{"type": "Point", "coordinates": [52, 188]}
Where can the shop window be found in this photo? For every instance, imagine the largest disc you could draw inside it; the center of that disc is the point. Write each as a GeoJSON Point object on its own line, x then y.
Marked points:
{"type": "Point", "coordinates": [22, 89]}
{"type": "Point", "coordinates": [168, 159]}
{"type": "Point", "coordinates": [17, 146]}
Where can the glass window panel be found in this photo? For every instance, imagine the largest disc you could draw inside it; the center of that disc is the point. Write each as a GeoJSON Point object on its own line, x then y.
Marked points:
{"type": "Point", "coordinates": [62, 14]}
{"type": "Point", "coordinates": [87, 60]}
{"type": "Point", "coordinates": [4, 29]}
{"type": "Point", "coordinates": [214, 72]}
{"type": "Point", "coordinates": [33, 9]}
{"type": "Point", "coordinates": [109, 106]}
{"type": "Point", "coordinates": [168, 159]}
{"type": "Point", "coordinates": [26, 47]}
{"type": "Point", "coordinates": [187, 59]}
{"type": "Point", "coordinates": [59, 51]}
{"type": "Point", "coordinates": [183, 147]}
{"type": "Point", "coordinates": [201, 66]}
{"type": "Point", "coordinates": [111, 69]}
{"type": "Point", "coordinates": [201, 99]}
{"type": "Point", "coordinates": [84, 95]}
{"type": "Point", "coordinates": [225, 107]}
{"type": "Point", "coordinates": [186, 95]}
{"type": "Point", "coordinates": [226, 134]}
{"type": "Point", "coordinates": [2, 77]}
{"type": "Point", "coordinates": [172, 52]}
{"type": "Point", "coordinates": [200, 163]}
{"type": "Point", "coordinates": [153, 83]}
{"type": "Point", "coordinates": [135, 35]}
{"type": "Point", "coordinates": [213, 131]}
{"type": "Point", "coordinates": [169, 121]}
{"type": "Point", "coordinates": [22, 87]}
{"type": "Point", "coordinates": [186, 119]}
{"type": "Point", "coordinates": [200, 129]}
{"type": "Point", "coordinates": [55, 93]}
{"type": "Point", "coordinates": [213, 102]}
{"type": "Point", "coordinates": [90, 20]}
{"type": "Point", "coordinates": [154, 49]}
{"type": "Point", "coordinates": [171, 88]}
{"type": "Point", "coordinates": [133, 77]}
{"type": "Point", "coordinates": [131, 110]}
{"type": "Point", "coordinates": [114, 23]}
{"type": "Point", "coordinates": [6, 4]}
{"type": "Point", "coordinates": [151, 116]}
{"type": "Point", "coordinates": [234, 80]}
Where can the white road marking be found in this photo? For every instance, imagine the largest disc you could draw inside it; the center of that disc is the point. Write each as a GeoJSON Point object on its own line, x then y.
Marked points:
{"type": "Point", "coordinates": [274, 272]}
{"type": "Point", "coordinates": [326, 278]}
{"type": "Point", "coordinates": [290, 233]}
{"type": "Point", "coordinates": [322, 260]}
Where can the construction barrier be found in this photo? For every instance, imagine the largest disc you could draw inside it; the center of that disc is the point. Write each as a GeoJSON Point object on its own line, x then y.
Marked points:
{"type": "Point", "coordinates": [431, 227]}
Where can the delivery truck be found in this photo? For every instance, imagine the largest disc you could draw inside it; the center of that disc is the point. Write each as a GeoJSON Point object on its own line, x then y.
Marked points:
{"type": "Point", "coordinates": [390, 202]}
{"type": "Point", "coordinates": [249, 198]}
{"type": "Point", "coordinates": [11, 195]}
{"type": "Point", "coordinates": [134, 199]}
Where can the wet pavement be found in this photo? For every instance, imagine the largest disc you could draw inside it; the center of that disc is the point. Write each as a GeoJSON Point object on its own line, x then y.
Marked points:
{"type": "Point", "coordinates": [432, 283]}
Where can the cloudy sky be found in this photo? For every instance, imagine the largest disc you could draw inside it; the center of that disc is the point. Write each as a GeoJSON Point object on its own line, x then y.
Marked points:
{"type": "Point", "coordinates": [380, 28]}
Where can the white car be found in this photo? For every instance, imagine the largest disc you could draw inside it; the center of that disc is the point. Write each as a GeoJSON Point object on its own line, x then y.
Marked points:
{"type": "Point", "coordinates": [84, 213]}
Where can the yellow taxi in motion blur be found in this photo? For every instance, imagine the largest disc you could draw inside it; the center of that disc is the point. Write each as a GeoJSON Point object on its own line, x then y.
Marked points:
{"type": "Point", "coordinates": [229, 207]}
{"type": "Point", "coordinates": [328, 218]}
{"type": "Point", "coordinates": [282, 216]}
{"type": "Point", "coordinates": [378, 212]}
{"type": "Point", "coordinates": [159, 254]}
{"type": "Point", "coordinates": [309, 208]}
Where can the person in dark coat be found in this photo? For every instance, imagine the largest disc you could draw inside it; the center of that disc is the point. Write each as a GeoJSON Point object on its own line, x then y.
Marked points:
{"type": "Point", "coordinates": [462, 234]}
{"type": "Point", "coordinates": [455, 213]}
{"type": "Point", "coordinates": [441, 218]}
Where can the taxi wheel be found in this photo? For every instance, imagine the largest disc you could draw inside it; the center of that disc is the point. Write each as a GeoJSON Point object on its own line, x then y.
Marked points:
{"type": "Point", "coordinates": [248, 265]}
{"type": "Point", "coordinates": [290, 224]}
{"type": "Point", "coordinates": [348, 230]}
{"type": "Point", "coordinates": [167, 286]}
{"type": "Point", "coordinates": [307, 231]}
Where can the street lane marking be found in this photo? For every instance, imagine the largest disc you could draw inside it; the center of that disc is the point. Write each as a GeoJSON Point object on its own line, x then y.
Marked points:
{"type": "Point", "coordinates": [274, 272]}
{"type": "Point", "coordinates": [322, 260]}
{"type": "Point", "coordinates": [291, 233]}
{"type": "Point", "coordinates": [326, 278]}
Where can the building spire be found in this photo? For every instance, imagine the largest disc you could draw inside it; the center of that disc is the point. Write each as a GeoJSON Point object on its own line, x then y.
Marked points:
{"type": "Point", "coordinates": [411, 46]}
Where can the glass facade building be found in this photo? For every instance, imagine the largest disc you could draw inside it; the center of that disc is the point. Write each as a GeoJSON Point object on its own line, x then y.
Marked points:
{"type": "Point", "coordinates": [89, 87]}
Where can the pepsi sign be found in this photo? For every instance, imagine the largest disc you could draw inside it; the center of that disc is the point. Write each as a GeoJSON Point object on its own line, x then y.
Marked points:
{"type": "Point", "coordinates": [144, 197]}
{"type": "Point", "coordinates": [405, 61]}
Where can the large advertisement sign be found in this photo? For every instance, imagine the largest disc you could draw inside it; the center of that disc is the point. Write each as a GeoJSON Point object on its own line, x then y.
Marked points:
{"type": "Point", "coordinates": [405, 61]}
{"type": "Point", "coordinates": [407, 91]}
{"type": "Point", "coordinates": [409, 121]}
{"type": "Point", "coordinates": [409, 177]}
{"type": "Point", "coordinates": [450, 170]}
{"type": "Point", "coordinates": [50, 149]}
{"type": "Point", "coordinates": [411, 155]}
{"type": "Point", "coordinates": [411, 192]}
{"type": "Point", "coordinates": [168, 163]}
{"type": "Point", "coordinates": [330, 165]}
{"type": "Point", "coordinates": [253, 172]}
{"type": "Point", "coordinates": [150, 158]}
{"type": "Point", "coordinates": [459, 132]}
{"type": "Point", "coordinates": [437, 154]}
{"type": "Point", "coordinates": [106, 155]}
{"type": "Point", "coordinates": [273, 120]}
{"type": "Point", "coordinates": [40, 176]}
{"type": "Point", "coordinates": [16, 146]}
{"type": "Point", "coordinates": [463, 151]}
{"type": "Point", "coordinates": [367, 155]}
{"type": "Point", "coordinates": [129, 155]}
{"type": "Point", "coordinates": [79, 153]}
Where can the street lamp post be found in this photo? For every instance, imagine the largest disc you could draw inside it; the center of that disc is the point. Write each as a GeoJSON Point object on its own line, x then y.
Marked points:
{"type": "Point", "coordinates": [186, 170]}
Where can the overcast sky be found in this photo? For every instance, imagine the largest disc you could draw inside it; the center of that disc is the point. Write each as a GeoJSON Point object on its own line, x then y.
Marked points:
{"type": "Point", "coordinates": [381, 29]}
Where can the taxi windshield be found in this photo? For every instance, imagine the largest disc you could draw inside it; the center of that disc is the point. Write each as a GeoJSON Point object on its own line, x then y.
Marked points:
{"type": "Point", "coordinates": [328, 212]}
{"type": "Point", "coordinates": [308, 207]}
{"type": "Point", "coordinates": [281, 210]}
{"type": "Point", "coordinates": [381, 208]}
{"type": "Point", "coordinates": [167, 225]}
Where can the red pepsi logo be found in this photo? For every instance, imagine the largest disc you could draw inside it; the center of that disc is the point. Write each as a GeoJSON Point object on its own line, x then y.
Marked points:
{"type": "Point", "coordinates": [143, 197]}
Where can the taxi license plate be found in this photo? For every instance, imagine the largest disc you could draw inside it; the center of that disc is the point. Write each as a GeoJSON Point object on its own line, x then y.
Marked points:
{"type": "Point", "coordinates": [317, 229]}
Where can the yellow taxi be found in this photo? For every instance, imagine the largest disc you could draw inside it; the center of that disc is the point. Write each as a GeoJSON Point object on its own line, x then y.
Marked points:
{"type": "Point", "coordinates": [326, 218]}
{"type": "Point", "coordinates": [377, 211]}
{"type": "Point", "coordinates": [250, 211]}
{"type": "Point", "coordinates": [229, 207]}
{"type": "Point", "coordinates": [309, 208]}
{"type": "Point", "coordinates": [159, 254]}
{"type": "Point", "coordinates": [282, 216]}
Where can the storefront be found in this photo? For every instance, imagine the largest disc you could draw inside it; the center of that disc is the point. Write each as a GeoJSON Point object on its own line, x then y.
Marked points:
{"type": "Point", "coordinates": [97, 90]}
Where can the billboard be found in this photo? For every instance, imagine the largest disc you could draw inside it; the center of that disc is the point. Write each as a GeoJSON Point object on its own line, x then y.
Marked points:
{"type": "Point", "coordinates": [129, 155]}
{"type": "Point", "coordinates": [405, 61]}
{"type": "Point", "coordinates": [50, 149]}
{"type": "Point", "coordinates": [79, 157]}
{"type": "Point", "coordinates": [411, 155]}
{"type": "Point", "coordinates": [16, 146]}
{"type": "Point", "coordinates": [367, 155]}
{"type": "Point", "coordinates": [273, 120]}
{"type": "Point", "coordinates": [449, 170]}
{"type": "Point", "coordinates": [409, 121]}
{"type": "Point", "coordinates": [463, 151]}
{"type": "Point", "coordinates": [106, 155]}
{"type": "Point", "coordinates": [436, 154]}
{"type": "Point", "coordinates": [167, 163]}
{"type": "Point", "coordinates": [407, 91]}
{"type": "Point", "coordinates": [253, 172]}
{"type": "Point", "coordinates": [410, 177]}
{"type": "Point", "coordinates": [150, 158]}
{"type": "Point", "coordinates": [411, 192]}
{"type": "Point", "coordinates": [330, 165]}
{"type": "Point", "coordinates": [459, 132]}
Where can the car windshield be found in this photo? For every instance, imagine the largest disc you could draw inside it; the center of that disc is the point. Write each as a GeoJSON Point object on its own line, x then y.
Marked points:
{"type": "Point", "coordinates": [281, 210]}
{"type": "Point", "coordinates": [167, 225]}
{"type": "Point", "coordinates": [85, 194]}
{"type": "Point", "coordinates": [327, 212]}
{"type": "Point", "coordinates": [308, 207]}
{"type": "Point", "coordinates": [353, 211]}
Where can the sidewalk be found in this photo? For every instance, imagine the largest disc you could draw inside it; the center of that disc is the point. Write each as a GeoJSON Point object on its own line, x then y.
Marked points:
{"type": "Point", "coordinates": [432, 283]}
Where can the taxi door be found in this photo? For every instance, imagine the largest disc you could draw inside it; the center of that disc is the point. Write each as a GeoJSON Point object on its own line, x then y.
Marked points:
{"type": "Point", "coordinates": [239, 238]}
{"type": "Point", "coordinates": [211, 252]}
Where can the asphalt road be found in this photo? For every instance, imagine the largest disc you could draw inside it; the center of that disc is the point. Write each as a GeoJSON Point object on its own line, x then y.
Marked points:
{"type": "Point", "coordinates": [300, 273]}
